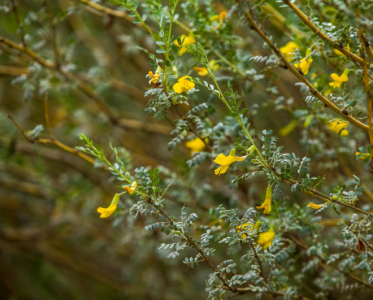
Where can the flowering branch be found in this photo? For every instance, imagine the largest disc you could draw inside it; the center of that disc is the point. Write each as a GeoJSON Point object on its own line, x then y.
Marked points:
{"type": "Point", "coordinates": [294, 70]}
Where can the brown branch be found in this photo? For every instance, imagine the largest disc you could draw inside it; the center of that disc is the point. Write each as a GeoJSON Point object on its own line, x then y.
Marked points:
{"type": "Point", "coordinates": [109, 11]}
{"type": "Point", "coordinates": [54, 142]}
{"type": "Point", "coordinates": [294, 70]}
{"type": "Point", "coordinates": [322, 35]}
{"type": "Point", "coordinates": [13, 71]}
{"type": "Point", "coordinates": [367, 90]}
{"type": "Point", "coordinates": [191, 127]}
{"type": "Point", "coordinates": [88, 91]}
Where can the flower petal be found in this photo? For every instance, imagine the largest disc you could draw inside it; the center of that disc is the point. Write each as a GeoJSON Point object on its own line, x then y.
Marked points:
{"type": "Point", "coordinates": [223, 160]}
{"type": "Point", "coordinates": [239, 158]}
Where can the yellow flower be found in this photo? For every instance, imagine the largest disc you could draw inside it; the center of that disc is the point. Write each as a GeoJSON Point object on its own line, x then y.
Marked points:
{"type": "Point", "coordinates": [338, 125]}
{"type": "Point", "coordinates": [364, 156]}
{"type": "Point", "coordinates": [107, 212]}
{"type": "Point", "coordinates": [154, 77]}
{"type": "Point", "coordinates": [188, 40]}
{"type": "Point", "coordinates": [304, 65]}
{"type": "Point", "coordinates": [328, 91]}
{"type": "Point", "coordinates": [183, 85]}
{"type": "Point", "coordinates": [289, 49]}
{"type": "Point", "coordinates": [338, 80]}
{"type": "Point", "coordinates": [132, 188]}
{"type": "Point", "coordinates": [201, 71]}
{"type": "Point", "coordinates": [340, 53]}
{"type": "Point", "coordinates": [265, 238]}
{"type": "Point", "coordinates": [221, 17]}
{"type": "Point", "coordinates": [267, 202]}
{"type": "Point", "coordinates": [315, 206]}
{"type": "Point", "coordinates": [225, 161]}
{"type": "Point", "coordinates": [251, 227]}
{"type": "Point", "coordinates": [243, 227]}
{"type": "Point", "coordinates": [196, 145]}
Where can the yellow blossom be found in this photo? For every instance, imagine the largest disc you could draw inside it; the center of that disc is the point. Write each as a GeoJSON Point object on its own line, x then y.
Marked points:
{"type": "Point", "coordinates": [338, 125]}
{"type": "Point", "coordinates": [196, 145]}
{"type": "Point", "coordinates": [225, 161]}
{"type": "Point", "coordinates": [267, 202]}
{"type": "Point", "coordinates": [154, 77]}
{"type": "Point", "coordinates": [265, 238]}
{"type": "Point", "coordinates": [315, 206]}
{"type": "Point", "coordinates": [201, 71]}
{"type": "Point", "coordinates": [221, 17]}
{"type": "Point", "coordinates": [363, 156]}
{"type": "Point", "coordinates": [251, 227]}
{"type": "Point", "coordinates": [289, 49]}
{"type": "Point", "coordinates": [340, 53]}
{"type": "Point", "coordinates": [132, 188]}
{"type": "Point", "coordinates": [107, 212]}
{"type": "Point", "coordinates": [338, 80]}
{"type": "Point", "coordinates": [243, 227]}
{"type": "Point", "coordinates": [188, 40]}
{"type": "Point", "coordinates": [304, 65]}
{"type": "Point", "coordinates": [183, 85]}
{"type": "Point", "coordinates": [328, 91]}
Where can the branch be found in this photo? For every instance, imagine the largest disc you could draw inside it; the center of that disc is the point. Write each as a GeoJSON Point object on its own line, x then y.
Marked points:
{"type": "Point", "coordinates": [320, 195]}
{"type": "Point", "coordinates": [322, 35]}
{"type": "Point", "coordinates": [258, 262]}
{"type": "Point", "coordinates": [88, 91]}
{"type": "Point", "coordinates": [367, 90]}
{"type": "Point", "coordinates": [54, 142]}
{"type": "Point", "coordinates": [294, 70]}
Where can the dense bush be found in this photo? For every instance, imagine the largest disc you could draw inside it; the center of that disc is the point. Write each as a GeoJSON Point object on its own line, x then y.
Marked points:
{"type": "Point", "coordinates": [186, 150]}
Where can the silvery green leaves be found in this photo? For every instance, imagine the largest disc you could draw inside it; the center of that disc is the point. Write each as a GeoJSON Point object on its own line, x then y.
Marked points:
{"type": "Point", "coordinates": [198, 53]}
{"type": "Point", "coordinates": [207, 85]}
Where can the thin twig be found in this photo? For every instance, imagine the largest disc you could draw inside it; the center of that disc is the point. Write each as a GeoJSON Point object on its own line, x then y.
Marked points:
{"type": "Point", "coordinates": [258, 262]}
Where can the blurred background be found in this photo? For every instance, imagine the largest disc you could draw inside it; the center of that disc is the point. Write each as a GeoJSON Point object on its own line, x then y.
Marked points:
{"type": "Point", "coordinates": [92, 80]}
